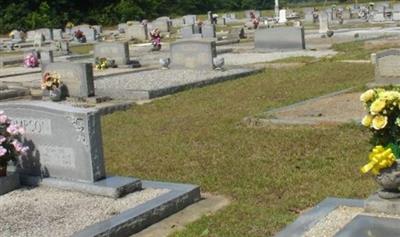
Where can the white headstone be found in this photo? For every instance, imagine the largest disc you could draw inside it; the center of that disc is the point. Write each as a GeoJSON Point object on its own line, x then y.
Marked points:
{"type": "Point", "coordinates": [282, 16]}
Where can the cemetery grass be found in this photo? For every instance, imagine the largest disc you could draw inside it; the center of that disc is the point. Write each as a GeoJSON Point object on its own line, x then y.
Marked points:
{"type": "Point", "coordinates": [271, 174]}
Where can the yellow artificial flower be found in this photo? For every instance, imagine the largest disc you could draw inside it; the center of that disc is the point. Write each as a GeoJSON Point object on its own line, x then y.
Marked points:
{"type": "Point", "coordinates": [367, 120]}
{"type": "Point", "coordinates": [377, 106]}
{"type": "Point", "coordinates": [367, 96]}
{"type": "Point", "coordinates": [379, 158]}
{"type": "Point", "coordinates": [390, 95]}
{"type": "Point", "coordinates": [379, 122]}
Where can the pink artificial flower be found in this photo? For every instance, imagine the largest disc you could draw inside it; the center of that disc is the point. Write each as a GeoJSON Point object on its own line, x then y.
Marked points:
{"type": "Point", "coordinates": [2, 139]}
{"type": "Point", "coordinates": [3, 118]}
{"type": "Point", "coordinates": [17, 145]}
{"type": "Point", "coordinates": [13, 129]}
{"type": "Point", "coordinates": [3, 151]}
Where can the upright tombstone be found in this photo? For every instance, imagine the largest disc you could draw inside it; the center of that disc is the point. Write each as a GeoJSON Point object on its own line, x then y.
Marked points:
{"type": "Point", "coordinates": [57, 34]}
{"type": "Point", "coordinates": [280, 38]}
{"type": "Point", "coordinates": [98, 28]}
{"type": "Point", "coordinates": [30, 35]}
{"type": "Point", "coordinates": [117, 51]}
{"type": "Point", "coordinates": [193, 54]}
{"type": "Point", "coordinates": [77, 77]}
{"type": "Point", "coordinates": [90, 34]}
{"type": "Point", "coordinates": [139, 32]}
{"type": "Point", "coordinates": [396, 12]}
{"type": "Point", "coordinates": [323, 23]}
{"type": "Point", "coordinates": [187, 31]}
{"type": "Point", "coordinates": [122, 27]}
{"type": "Point", "coordinates": [46, 32]}
{"type": "Point", "coordinates": [46, 57]}
{"type": "Point", "coordinates": [308, 14]}
{"type": "Point", "coordinates": [65, 141]}
{"type": "Point", "coordinates": [189, 19]}
{"type": "Point", "coordinates": [65, 148]}
{"type": "Point", "coordinates": [208, 31]}
{"type": "Point", "coordinates": [282, 16]}
{"type": "Point", "coordinates": [64, 45]}
{"type": "Point", "coordinates": [387, 67]}
{"type": "Point", "coordinates": [162, 25]}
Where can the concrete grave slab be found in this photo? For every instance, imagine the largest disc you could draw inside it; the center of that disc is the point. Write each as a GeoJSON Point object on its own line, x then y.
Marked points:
{"type": "Point", "coordinates": [365, 226]}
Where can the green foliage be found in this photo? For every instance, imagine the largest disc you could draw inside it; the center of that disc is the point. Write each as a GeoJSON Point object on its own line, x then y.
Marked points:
{"type": "Point", "coordinates": [27, 15]}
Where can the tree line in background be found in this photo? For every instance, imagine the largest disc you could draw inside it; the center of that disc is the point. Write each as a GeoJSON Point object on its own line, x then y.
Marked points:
{"type": "Point", "coordinates": [26, 15]}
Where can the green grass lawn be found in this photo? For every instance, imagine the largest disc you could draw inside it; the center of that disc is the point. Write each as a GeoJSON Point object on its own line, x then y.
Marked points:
{"type": "Point", "coordinates": [270, 173]}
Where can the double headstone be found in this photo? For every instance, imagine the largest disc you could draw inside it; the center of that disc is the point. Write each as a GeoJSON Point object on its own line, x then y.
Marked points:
{"type": "Point", "coordinates": [77, 77]}
{"type": "Point", "coordinates": [117, 51]}
{"type": "Point", "coordinates": [193, 54]}
{"type": "Point", "coordinates": [280, 38]}
{"type": "Point", "coordinates": [387, 67]}
{"type": "Point", "coordinates": [65, 148]}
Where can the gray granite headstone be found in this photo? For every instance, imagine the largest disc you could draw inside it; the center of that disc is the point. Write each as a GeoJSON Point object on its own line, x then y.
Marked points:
{"type": "Point", "coordinates": [77, 77]}
{"type": "Point", "coordinates": [187, 31]}
{"type": "Point", "coordinates": [208, 31]}
{"type": "Point", "coordinates": [65, 142]}
{"type": "Point", "coordinates": [122, 27]}
{"type": "Point", "coordinates": [46, 32]}
{"type": "Point", "coordinates": [193, 54]}
{"type": "Point", "coordinates": [189, 19]}
{"type": "Point", "coordinates": [280, 38]}
{"type": "Point", "coordinates": [57, 34]}
{"type": "Point", "coordinates": [387, 67]}
{"type": "Point", "coordinates": [117, 51]}
{"type": "Point", "coordinates": [162, 25]}
{"type": "Point", "coordinates": [139, 32]}
{"type": "Point", "coordinates": [46, 57]}
{"type": "Point", "coordinates": [64, 46]}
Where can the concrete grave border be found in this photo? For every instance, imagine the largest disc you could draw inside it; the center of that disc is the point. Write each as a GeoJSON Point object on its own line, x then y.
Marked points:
{"type": "Point", "coordinates": [307, 220]}
{"type": "Point", "coordinates": [138, 218]}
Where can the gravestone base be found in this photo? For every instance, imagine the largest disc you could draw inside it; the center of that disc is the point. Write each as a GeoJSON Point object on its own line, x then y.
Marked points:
{"type": "Point", "coordinates": [9, 183]}
{"type": "Point", "coordinates": [376, 204]}
{"type": "Point", "coordinates": [131, 64]}
{"type": "Point", "coordinates": [114, 186]}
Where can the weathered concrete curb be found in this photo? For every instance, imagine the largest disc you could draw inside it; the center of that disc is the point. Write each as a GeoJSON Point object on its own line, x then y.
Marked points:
{"type": "Point", "coordinates": [138, 218]}
{"type": "Point", "coordinates": [255, 121]}
{"type": "Point", "coordinates": [307, 220]}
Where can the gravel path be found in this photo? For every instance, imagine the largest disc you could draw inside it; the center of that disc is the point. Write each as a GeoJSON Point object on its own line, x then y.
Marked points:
{"type": "Point", "coordinates": [49, 212]}
{"type": "Point", "coordinates": [333, 222]}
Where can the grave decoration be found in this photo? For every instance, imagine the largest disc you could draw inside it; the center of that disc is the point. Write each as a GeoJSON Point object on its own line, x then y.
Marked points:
{"type": "Point", "coordinates": [104, 63]}
{"type": "Point", "coordinates": [51, 82]}
{"type": "Point", "coordinates": [80, 37]}
{"type": "Point", "coordinates": [11, 147]}
{"type": "Point", "coordinates": [383, 119]}
{"type": "Point", "coordinates": [31, 60]}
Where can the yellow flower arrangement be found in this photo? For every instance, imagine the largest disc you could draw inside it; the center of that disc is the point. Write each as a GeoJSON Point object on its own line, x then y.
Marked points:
{"type": "Point", "coordinates": [367, 96]}
{"type": "Point", "coordinates": [379, 122]}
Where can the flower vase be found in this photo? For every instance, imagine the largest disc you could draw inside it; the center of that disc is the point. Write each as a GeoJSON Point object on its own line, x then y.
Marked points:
{"type": "Point", "coordinates": [55, 94]}
{"type": "Point", "coordinates": [3, 171]}
{"type": "Point", "coordinates": [389, 180]}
